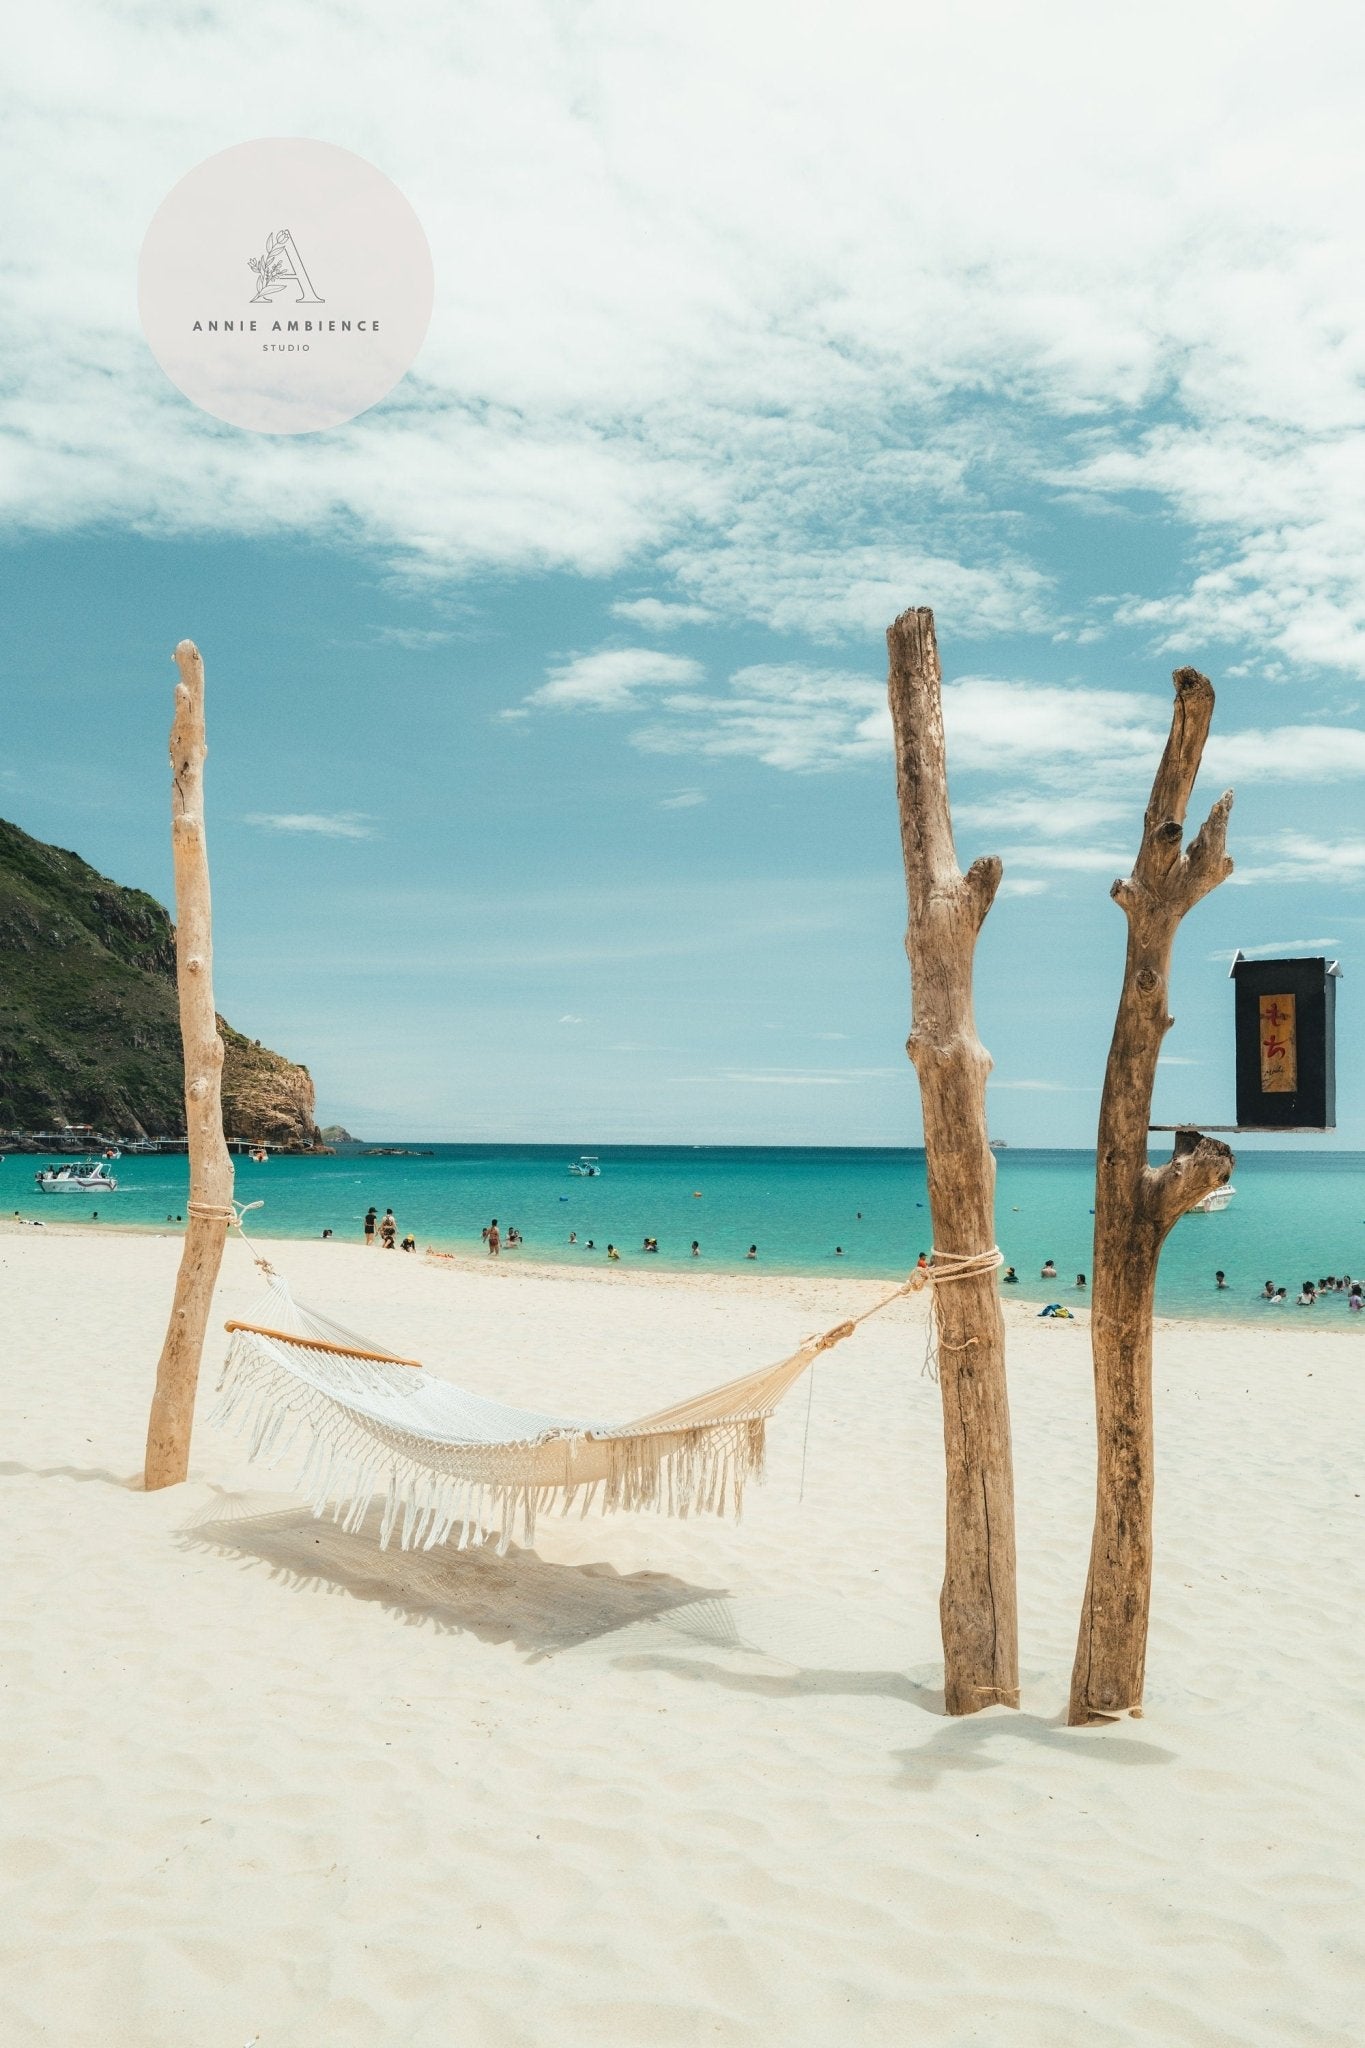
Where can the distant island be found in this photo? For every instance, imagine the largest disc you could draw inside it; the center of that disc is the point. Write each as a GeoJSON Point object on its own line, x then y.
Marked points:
{"type": "Point", "coordinates": [395, 1152]}
{"type": "Point", "coordinates": [337, 1134]}
{"type": "Point", "coordinates": [89, 1023]}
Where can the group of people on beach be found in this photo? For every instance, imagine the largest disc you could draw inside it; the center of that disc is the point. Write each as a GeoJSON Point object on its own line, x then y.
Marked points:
{"type": "Point", "coordinates": [650, 1244]}
{"type": "Point", "coordinates": [384, 1230]}
{"type": "Point", "coordinates": [493, 1237]}
{"type": "Point", "coordinates": [385, 1227]}
{"type": "Point", "coordinates": [1048, 1271]}
{"type": "Point", "coordinates": [1311, 1292]}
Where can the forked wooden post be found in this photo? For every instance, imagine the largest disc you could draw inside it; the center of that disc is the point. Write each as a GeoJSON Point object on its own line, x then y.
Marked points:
{"type": "Point", "coordinates": [1136, 1205]}
{"type": "Point", "coordinates": [946, 911]}
{"type": "Point", "coordinates": [210, 1203]}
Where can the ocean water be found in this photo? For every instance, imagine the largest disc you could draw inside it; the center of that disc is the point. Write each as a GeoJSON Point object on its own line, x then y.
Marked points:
{"type": "Point", "coordinates": [1296, 1215]}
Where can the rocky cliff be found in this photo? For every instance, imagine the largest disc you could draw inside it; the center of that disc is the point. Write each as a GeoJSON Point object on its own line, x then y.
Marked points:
{"type": "Point", "coordinates": [89, 1029]}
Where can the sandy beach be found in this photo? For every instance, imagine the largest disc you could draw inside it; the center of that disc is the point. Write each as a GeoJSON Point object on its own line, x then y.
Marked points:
{"type": "Point", "coordinates": [664, 1783]}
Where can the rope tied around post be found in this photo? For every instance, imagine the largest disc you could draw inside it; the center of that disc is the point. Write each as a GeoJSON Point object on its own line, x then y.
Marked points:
{"type": "Point", "coordinates": [947, 1267]}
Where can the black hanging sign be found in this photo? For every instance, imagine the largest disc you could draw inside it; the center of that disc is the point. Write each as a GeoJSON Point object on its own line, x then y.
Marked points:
{"type": "Point", "coordinates": [1285, 1022]}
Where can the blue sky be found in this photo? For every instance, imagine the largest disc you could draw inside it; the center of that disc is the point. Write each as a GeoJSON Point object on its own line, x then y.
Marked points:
{"type": "Point", "coordinates": [550, 784]}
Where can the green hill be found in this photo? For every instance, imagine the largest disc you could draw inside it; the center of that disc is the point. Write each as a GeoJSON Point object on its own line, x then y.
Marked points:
{"type": "Point", "coordinates": [89, 1029]}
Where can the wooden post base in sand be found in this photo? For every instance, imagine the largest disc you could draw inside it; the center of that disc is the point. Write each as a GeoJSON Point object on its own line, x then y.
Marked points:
{"type": "Point", "coordinates": [210, 1204]}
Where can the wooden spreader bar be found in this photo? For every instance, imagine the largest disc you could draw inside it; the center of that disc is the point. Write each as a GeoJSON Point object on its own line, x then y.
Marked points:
{"type": "Point", "coordinates": [321, 1344]}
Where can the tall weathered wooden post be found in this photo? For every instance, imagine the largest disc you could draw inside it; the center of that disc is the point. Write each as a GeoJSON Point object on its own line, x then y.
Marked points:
{"type": "Point", "coordinates": [1136, 1206]}
{"type": "Point", "coordinates": [977, 1606]}
{"type": "Point", "coordinates": [210, 1203]}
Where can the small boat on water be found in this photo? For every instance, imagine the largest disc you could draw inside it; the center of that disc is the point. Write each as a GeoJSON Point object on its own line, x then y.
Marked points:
{"type": "Point", "coordinates": [76, 1177]}
{"type": "Point", "coordinates": [586, 1166]}
{"type": "Point", "coordinates": [1213, 1202]}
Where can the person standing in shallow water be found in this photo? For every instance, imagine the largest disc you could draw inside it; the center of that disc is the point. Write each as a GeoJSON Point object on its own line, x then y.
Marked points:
{"type": "Point", "coordinates": [494, 1239]}
{"type": "Point", "coordinates": [371, 1216]}
{"type": "Point", "coordinates": [388, 1229]}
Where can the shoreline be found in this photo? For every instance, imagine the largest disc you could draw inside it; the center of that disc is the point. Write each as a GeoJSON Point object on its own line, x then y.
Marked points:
{"type": "Point", "coordinates": [655, 1271]}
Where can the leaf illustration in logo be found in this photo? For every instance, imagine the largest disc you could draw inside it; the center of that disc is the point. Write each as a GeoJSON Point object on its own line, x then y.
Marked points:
{"type": "Point", "coordinates": [253, 262]}
{"type": "Point", "coordinates": [269, 244]}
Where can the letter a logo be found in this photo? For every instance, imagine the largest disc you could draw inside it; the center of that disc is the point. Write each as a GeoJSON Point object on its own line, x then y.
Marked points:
{"type": "Point", "coordinates": [281, 265]}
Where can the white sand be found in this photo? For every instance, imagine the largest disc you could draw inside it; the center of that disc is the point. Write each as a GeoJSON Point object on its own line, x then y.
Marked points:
{"type": "Point", "coordinates": [664, 1783]}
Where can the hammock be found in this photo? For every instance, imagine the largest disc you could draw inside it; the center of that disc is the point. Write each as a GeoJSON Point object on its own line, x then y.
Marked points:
{"type": "Point", "coordinates": [374, 1423]}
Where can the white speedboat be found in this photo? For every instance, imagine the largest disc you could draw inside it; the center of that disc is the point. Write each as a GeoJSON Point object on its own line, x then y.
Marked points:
{"type": "Point", "coordinates": [76, 1177]}
{"type": "Point", "coordinates": [1213, 1202]}
{"type": "Point", "coordinates": [586, 1166]}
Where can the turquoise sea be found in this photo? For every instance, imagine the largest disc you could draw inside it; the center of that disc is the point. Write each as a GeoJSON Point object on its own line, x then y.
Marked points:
{"type": "Point", "coordinates": [1296, 1215]}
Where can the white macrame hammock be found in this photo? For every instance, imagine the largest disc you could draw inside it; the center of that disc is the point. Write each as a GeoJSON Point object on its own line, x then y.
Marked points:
{"type": "Point", "coordinates": [373, 1424]}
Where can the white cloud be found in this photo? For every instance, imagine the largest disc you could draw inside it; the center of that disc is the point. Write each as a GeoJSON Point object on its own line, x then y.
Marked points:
{"type": "Point", "coordinates": [1022, 885]}
{"type": "Point", "coordinates": [1051, 812]}
{"type": "Point", "coordinates": [789, 716]}
{"type": "Point", "coordinates": [658, 615]}
{"type": "Point", "coordinates": [1287, 753]}
{"type": "Point", "coordinates": [1072, 859]}
{"type": "Point", "coordinates": [414, 639]}
{"type": "Point", "coordinates": [805, 719]}
{"type": "Point", "coordinates": [613, 679]}
{"type": "Point", "coordinates": [685, 800]}
{"type": "Point", "coordinates": [1297, 856]}
{"type": "Point", "coordinates": [569, 1019]}
{"type": "Point", "coordinates": [733, 322]}
{"type": "Point", "coordinates": [333, 825]}
{"type": "Point", "coordinates": [997, 725]}
{"type": "Point", "coordinates": [1274, 948]}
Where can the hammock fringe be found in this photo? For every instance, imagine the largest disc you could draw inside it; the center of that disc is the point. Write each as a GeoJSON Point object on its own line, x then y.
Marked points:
{"type": "Point", "coordinates": [426, 1489]}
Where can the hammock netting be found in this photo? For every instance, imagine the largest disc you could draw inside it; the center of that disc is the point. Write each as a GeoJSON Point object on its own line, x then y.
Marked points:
{"type": "Point", "coordinates": [365, 1424]}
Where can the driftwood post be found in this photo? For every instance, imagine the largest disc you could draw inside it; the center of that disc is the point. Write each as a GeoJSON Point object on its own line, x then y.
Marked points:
{"type": "Point", "coordinates": [210, 1203]}
{"type": "Point", "coordinates": [1136, 1205]}
{"type": "Point", "coordinates": [946, 911]}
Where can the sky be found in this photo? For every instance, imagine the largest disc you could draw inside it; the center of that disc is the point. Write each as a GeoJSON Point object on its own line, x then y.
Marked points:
{"type": "Point", "coordinates": [550, 786]}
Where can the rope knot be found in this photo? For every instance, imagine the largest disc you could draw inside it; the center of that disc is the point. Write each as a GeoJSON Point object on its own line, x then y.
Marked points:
{"type": "Point", "coordinates": [834, 1336]}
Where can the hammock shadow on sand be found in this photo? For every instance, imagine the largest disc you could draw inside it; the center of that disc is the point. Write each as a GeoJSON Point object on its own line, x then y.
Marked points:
{"type": "Point", "coordinates": [519, 1598]}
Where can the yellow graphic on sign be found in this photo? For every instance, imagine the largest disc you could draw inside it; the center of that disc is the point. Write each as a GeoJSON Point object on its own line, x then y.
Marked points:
{"type": "Point", "coordinates": [1279, 1046]}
